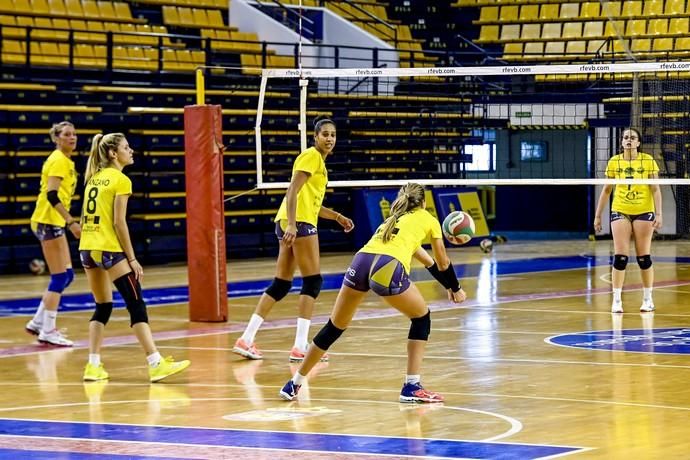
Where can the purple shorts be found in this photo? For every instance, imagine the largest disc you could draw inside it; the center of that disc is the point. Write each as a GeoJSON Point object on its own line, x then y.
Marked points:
{"type": "Point", "coordinates": [45, 232]}
{"type": "Point", "coordinates": [303, 229]}
{"type": "Point", "coordinates": [100, 259]}
{"type": "Point", "coordinates": [648, 216]}
{"type": "Point", "coordinates": [384, 275]}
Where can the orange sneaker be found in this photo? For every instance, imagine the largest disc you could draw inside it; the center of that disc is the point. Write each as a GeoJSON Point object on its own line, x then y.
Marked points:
{"type": "Point", "coordinates": [297, 356]}
{"type": "Point", "coordinates": [248, 351]}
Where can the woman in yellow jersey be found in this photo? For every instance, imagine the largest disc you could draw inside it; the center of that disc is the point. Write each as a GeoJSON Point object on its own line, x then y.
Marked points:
{"type": "Point", "coordinates": [383, 265]}
{"type": "Point", "coordinates": [107, 255]}
{"type": "Point", "coordinates": [299, 242]}
{"type": "Point", "coordinates": [636, 211]}
{"type": "Point", "coordinates": [48, 222]}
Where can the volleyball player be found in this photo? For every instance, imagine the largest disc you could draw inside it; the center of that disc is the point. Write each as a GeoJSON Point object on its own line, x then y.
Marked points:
{"type": "Point", "coordinates": [299, 242]}
{"type": "Point", "coordinates": [635, 211]}
{"type": "Point", "coordinates": [48, 222]}
{"type": "Point", "coordinates": [383, 265]}
{"type": "Point", "coordinates": [108, 257]}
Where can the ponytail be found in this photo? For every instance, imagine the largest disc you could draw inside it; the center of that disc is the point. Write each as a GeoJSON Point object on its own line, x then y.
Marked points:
{"type": "Point", "coordinates": [101, 145]}
{"type": "Point", "coordinates": [410, 196]}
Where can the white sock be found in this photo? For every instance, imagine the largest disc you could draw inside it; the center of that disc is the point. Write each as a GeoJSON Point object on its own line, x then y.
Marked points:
{"type": "Point", "coordinates": [302, 333]}
{"type": "Point", "coordinates": [617, 293]}
{"type": "Point", "coordinates": [412, 378]}
{"type": "Point", "coordinates": [647, 294]}
{"type": "Point", "coordinates": [49, 318]}
{"type": "Point", "coordinates": [298, 379]}
{"type": "Point", "coordinates": [94, 359]}
{"type": "Point", "coordinates": [153, 359]}
{"type": "Point", "coordinates": [252, 328]}
{"type": "Point", "coordinates": [38, 317]}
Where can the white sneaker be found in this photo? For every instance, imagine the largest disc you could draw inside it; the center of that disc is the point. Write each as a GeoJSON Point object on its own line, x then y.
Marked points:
{"type": "Point", "coordinates": [32, 327]}
{"type": "Point", "coordinates": [647, 305]}
{"type": "Point", "coordinates": [617, 307]}
{"type": "Point", "coordinates": [54, 337]}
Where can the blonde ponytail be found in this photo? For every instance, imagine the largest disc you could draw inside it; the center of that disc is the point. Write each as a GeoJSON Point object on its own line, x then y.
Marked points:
{"type": "Point", "coordinates": [98, 157]}
{"type": "Point", "coordinates": [410, 196]}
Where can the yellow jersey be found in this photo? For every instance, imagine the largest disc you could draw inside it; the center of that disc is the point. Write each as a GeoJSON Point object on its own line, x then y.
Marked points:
{"type": "Point", "coordinates": [310, 197]}
{"type": "Point", "coordinates": [632, 199]}
{"type": "Point", "coordinates": [97, 230]}
{"type": "Point", "coordinates": [56, 165]}
{"type": "Point", "coordinates": [409, 232]}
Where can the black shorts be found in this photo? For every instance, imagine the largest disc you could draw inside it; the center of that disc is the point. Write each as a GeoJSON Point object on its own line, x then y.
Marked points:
{"type": "Point", "coordinates": [303, 229]}
{"type": "Point", "coordinates": [46, 232]}
{"type": "Point", "coordinates": [383, 274]}
{"type": "Point", "coordinates": [646, 216]}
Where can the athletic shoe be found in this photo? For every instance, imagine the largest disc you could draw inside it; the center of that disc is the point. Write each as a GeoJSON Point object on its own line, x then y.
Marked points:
{"type": "Point", "coordinates": [167, 367]}
{"type": "Point", "coordinates": [54, 337]}
{"type": "Point", "coordinates": [415, 393]}
{"type": "Point", "coordinates": [94, 373]}
{"type": "Point", "coordinates": [289, 391]}
{"type": "Point", "coordinates": [248, 351]}
{"type": "Point", "coordinates": [32, 327]}
{"type": "Point", "coordinates": [617, 307]}
{"type": "Point", "coordinates": [647, 306]}
{"type": "Point", "coordinates": [297, 356]}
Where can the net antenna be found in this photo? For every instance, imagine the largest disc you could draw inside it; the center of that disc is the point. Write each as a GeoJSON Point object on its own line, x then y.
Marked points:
{"type": "Point", "coordinates": [303, 83]}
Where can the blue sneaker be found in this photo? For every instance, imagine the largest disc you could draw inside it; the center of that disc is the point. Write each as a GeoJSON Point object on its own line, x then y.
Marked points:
{"type": "Point", "coordinates": [289, 391]}
{"type": "Point", "coordinates": [415, 393]}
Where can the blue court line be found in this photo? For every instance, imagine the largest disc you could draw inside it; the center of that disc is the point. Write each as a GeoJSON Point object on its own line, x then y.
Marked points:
{"type": "Point", "coordinates": [334, 443]}
{"type": "Point", "coordinates": [54, 455]}
{"type": "Point", "coordinates": [331, 281]}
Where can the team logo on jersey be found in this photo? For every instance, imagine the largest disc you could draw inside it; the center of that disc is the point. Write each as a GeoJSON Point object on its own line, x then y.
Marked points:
{"type": "Point", "coordinates": [666, 340]}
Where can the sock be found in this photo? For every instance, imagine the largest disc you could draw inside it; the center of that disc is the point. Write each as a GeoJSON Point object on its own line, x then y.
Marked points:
{"type": "Point", "coordinates": [252, 328]}
{"type": "Point", "coordinates": [647, 294]}
{"type": "Point", "coordinates": [95, 359]}
{"type": "Point", "coordinates": [298, 379]}
{"type": "Point", "coordinates": [38, 317]}
{"type": "Point", "coordinates": [49, 318]}
{"type": "Point", "coordinates": [412, 378]}
{"type": "Point", "coordinates": [302, 333]}
{"type": "Point", "coordinates": [617, 293]}
{"type": "Point", "coordinates": [154, 359]}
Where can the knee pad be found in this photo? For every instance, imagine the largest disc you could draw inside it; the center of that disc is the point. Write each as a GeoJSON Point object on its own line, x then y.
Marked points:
{"type": "Point", "coordinates": [70, 277]}
{"type": "Point", "coordinates": [645, 262]}
{"type": "Point", "coordinates": [620, 261]}
{"type": "Point", "coordinates": [129, 288]}
{"type": "Point", "coordinates": [102, 313]}
{"type": "Point", "coordinates": [278, 289]}
{"type": "Point", "coordinates": [311, 286]}
{"type": "Point", "coordinates": [420, 327]}
{"type": "Point", "coordinates": [57, 282]}
{"type": "Point", "coordinates": [327, 335]}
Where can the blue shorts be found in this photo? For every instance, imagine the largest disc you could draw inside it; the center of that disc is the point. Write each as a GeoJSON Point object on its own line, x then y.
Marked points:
{"type": "Point", "coordinates": [46, 232]}
{"type": "Point", "coordinates": [384, 275]}
{"type": "Point", "coordinates": [303, 229]}
{"type": "Point", "coordinates": [100, 259]}
{"type": "Point", "coordinates": [648, 216]}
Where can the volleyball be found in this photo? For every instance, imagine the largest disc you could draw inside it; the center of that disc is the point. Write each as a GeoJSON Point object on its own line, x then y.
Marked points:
{"type": "Point", "coordinates": [37, 267]}
{"type": "Point", "coordinates": [486, 245]}
{"type": "Point", "coordinates": [458, 227]}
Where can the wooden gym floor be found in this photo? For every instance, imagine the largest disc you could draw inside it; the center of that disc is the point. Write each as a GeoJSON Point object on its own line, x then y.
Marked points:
{"type": "Point", "coordinates": [532, 365]}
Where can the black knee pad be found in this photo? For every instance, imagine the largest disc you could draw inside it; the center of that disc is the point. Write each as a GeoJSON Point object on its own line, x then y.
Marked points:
{"type": "Point", "coordinates": [645, 262]}
{"type": "Point", "coordinates": [102, 313]}
{"type": "Point", "coordinates": [129, 288]}
{"type": "Point", "coordinates": [420, 327]}
{"type": "Point", "coordinates": [620, 261]}
{"type": "Point", "coordinates": [311, 285]}
{"type": "Point", "coordinates": [279, 288]}
{"type": "Point", "coordinates": [327, 335]}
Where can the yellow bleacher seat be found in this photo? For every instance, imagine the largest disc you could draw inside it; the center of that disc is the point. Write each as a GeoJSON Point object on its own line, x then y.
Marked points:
{"type": "Point", "coordinates": [215, 18]}
{"type": "Point", "coordinates": [26, 21]}
{"type": "Point", "coordinates": [679, 26]}
{"type": "Point", "coordinates": [84, 55]}
{"type": "Point", "coordinates": [13, 52]}
{"type": "Point", "coordinates": [74, 7]}
{"type": "Point", "coordinates": [620, 47]}
{"type": "Point", "coordinates": [553, 49]}
{"type": "Point", "coordinates": [570, 10]}
{"type": "Point", "coordinates": [510, 32]}
{"type": "Point", "coordinates": [548, 11]}
{"type": "Point", "coordinates": [636, 27]}
{"type": "Point", "coordinates": [576, 48]}
{"type": "Point", "coordinates": [529, 12]}
{"type": "Point", "coordinates": [663, 45]}
{"type": "Point", "coordinates": [653, 8]}
{"type": "Point", "coordinates": [597, 46]}
{"type": "Point", "coordinates": [488, 33]}
{"type": "Point", "coordinates": [249, 60]}
{"type": "Point", "coordinates": [7, 20]}
{"type": "Point", "coordinates": [534, 49]}
{"type": "Point", "coordinates": [44, 28]}
{"type": "Point", "coordinates": [674, 7]}
{"type": "Point", "coordinates": [614, 28]}
{"type": "Point", "coordinates": [61, 24]}
{"type": "Point", "coordinates": [682, 44]}
{"type": "Point", "coordinates": [22, 6]}
{"type": "Point", "coordinates": [170, 15]}
{"type": "Point", "coordinates": [106, 9]}
{"type": "Point", "coordinates": [199, 16]}
{"type": "Point", "coordinates": [122, 10]}
{"type": "Point", "coordinates": [186, 16]}
{"type": "Point", "coordinates": [590, 10]}
{"type": "Point", "coordinates": [657, 27]}
{"type": "Point", "coordinates": [40, 7]}
{"type": "Point", "coordinates": [593, 29]}
{"type": "Point", "coordinates": [111, 26]}
{"type": "Point", "coordinates": [509, 13]}
{"type": "Point", "coordinates": [551, 30]}
{"type": "Point", "coordinates": [512, 51]}
{"type": "Point", "coordinates": [281, 62]}
{"type": "Point", "coordinates": [488, 13]}
{"type": "Point", "coordinates": [149, 40]}
{"type": "Point", "coordinates": [57, 7]}
{"type": "Point", "coordinates": [530, 31]}
{"type": "Point", "coordinates": [90, 8]}
{"type": "Point", "coordinates": [611, 9]}
{"type": "Point", "coordinates": [632, 8]}
{"type": "Point", "coordinates": [641, 46]}
{"type": "Point", "coordinates": [572, 30]}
